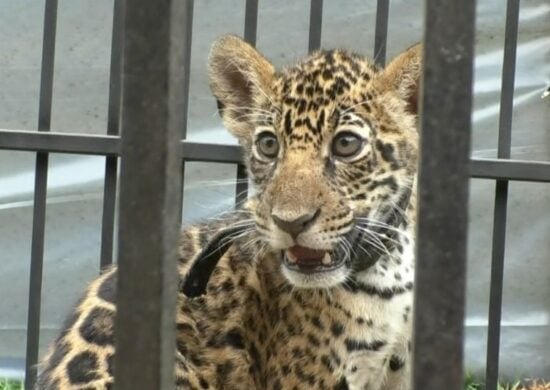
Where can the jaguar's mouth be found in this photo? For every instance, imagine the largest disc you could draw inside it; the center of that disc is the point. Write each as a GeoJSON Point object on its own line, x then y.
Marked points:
{"type": "Point", "coordinates": [309, 261]}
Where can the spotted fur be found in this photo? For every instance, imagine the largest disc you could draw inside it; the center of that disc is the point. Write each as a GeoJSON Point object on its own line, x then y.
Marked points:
{"type": "Point", "coordinates": [263, 324]}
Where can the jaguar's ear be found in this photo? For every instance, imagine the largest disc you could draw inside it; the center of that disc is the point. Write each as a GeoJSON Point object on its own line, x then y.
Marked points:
{"type": "Point", "coordinates": [403, 76]}
{"type": "Point", "coordinates": [240, 78]}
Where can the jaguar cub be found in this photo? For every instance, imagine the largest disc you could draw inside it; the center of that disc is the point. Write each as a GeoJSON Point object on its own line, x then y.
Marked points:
{"type": "Point", "coordinates": [314, 290]}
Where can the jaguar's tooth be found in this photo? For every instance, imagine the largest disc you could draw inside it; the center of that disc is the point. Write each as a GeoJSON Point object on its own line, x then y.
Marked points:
{"type": "Point", "coordinates": [291, 258]}
{"type": "Point", "coordinates": [327, 259]}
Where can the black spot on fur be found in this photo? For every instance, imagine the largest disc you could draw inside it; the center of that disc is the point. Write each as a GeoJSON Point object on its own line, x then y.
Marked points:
{"type": "Point", "coordinates": [277, 385]}
{"type": "Point", "coordinates": [222, 372]}
{"type": "Point", "coordinates": [98, 327]}
{"type": "Point", "coordinates": [110, 365]}
{"type": "Point", "coordinates": [317, 322]}
{"type": "Point", "coordinates": [360, 345]}
{"type": "Point", "coordinates": [313, 340]}
{"type": "Point", "coordinates": [396, 363]}
{"type": "Point", "coordinates": [384, 293]}
{"type": "Point", "coordinates": [388, 181]}
{"type": "Point", "coordinates": [285, 369]}
{"type": "Point", "coordinates": [234, 339]}
{"type": "Point", "coordinates": [288, 123]}
{"type": "Point", "coordinates": [204, 384]}
{"type": "Point", "coordinates": [337, 329]}
{"type": "Point", "coordinates": [82, 368]}
{"type": "Point", "coordinates": [107, 289]}
{"type": "Point", "coordinates": [256, 359]}
{"type": "Point", "coordinates": [386, 150]}
{"type": "Point", "coordinates": [305, 377]}
{"type": "Point", "coordinates": [342, 385]}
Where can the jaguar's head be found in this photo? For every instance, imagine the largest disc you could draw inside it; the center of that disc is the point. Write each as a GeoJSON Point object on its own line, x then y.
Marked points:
{"type": "Point", "coordinates": [331, 146]}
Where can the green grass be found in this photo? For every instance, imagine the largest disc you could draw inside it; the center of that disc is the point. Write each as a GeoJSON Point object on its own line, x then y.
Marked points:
{"type": "Point", "coordinates": [9, 384]}
{"type": "Point", "coordinates": [470, 383]}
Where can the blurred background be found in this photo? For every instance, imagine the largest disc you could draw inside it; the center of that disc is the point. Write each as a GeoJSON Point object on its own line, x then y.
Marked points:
{"type": "Point", "coordinates": [75, 183]}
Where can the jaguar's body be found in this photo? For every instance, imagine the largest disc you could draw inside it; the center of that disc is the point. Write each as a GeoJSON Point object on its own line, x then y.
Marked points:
{"type": "Point", "coordinates": [315, 292]}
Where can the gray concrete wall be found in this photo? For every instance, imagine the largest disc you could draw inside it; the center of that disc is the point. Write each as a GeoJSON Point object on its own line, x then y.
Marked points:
{"type": "Point", "coordinates": [75, 182]}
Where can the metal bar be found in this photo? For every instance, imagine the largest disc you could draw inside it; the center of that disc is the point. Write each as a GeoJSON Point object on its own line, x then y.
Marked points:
{"type": "Point", "coordinates": [108, 213]}
{"type": "Point", "coordinates": [187, 40]}
{"type": "Point", "coordinates": [508, 79]}
{"type": "Point", "coordinates": [501, 195]}
{"type": "Point", "coordinates": [153, 63]}
{"type": "Point", "coordinates": [250, 31]}
{"type": "Point", "coordinates": [113, 123]}
{"type": "Point", "coordinates": [106, 145]}
{"type": "Point", "coordinates": [510, 170]}
{"type": "Point", "coordinates": [40, 193]}
{"type": "Point", "coordinates": [196, 151]}
{"type": "Point", "coordinates": [315, 25]}
{"type": "Point", "coordinates": [497, 275]}
{"type": "Point", "coordinates": [37, 262]}
{"type": "Point", "coordinates": [25, 140]}
{"type": "Point", "coordinates": [500, 169]}
{"type": "Point", "coordinates": [381, 31]}
{"type": "Point", "coordinates": [443, 195]}
{"type": "Point", "coordinates": [187, 44]}
{"type": "Point", "coordinates": [251, 21]}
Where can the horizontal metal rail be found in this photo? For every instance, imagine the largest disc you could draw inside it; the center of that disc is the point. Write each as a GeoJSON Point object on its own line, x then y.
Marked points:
{"type": "Point", "coordinates": [33, 141]}
{"type": "Point", "coordinates": [107, 145]}
{"type": "Point", "coordinates": [511, 170]}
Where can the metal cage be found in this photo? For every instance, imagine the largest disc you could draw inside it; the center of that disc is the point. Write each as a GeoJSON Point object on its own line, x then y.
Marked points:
{"type": "Point", "coordinates": [160, 130]}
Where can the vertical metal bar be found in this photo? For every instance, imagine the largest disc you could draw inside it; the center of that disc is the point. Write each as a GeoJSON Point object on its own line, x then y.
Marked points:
{"type": "Point", "coordinates": [315, 25]}
{"type": "Point", "coordinates": [187, 40]}
{"type": "Point", "coordinates": [251, 21]}
{"type": "Point", "coordinates": [443, 195]}
{"type": "Point", "coordinates": [250, 30]}
{"type": "Point", "coordinates": [497, 276]}
{"type": "Point", "coordinates": [40, 192]}
{"type": "Point", "coordinates": [37, 261]}
{"type": "Point", "coordinates": [113, 123]}
{"type": "Point", "coordinates": [508, 79]}
{"type": "Point", "coordinates": [501, 194]}
{"type": "Point", "coordinates": [381, 31]}
{"type": "Point", "coordinates": [152, 85]}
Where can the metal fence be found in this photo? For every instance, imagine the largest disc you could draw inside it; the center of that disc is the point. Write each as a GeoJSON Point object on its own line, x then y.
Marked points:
{"type": "Point", "coordinates": [154, 151]}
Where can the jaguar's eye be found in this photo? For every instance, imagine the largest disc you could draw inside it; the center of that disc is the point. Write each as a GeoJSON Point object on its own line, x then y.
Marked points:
{"type": "Point", "coordinates": [346, 144]}
{"type": "Point", "coordinates": [267, 144]}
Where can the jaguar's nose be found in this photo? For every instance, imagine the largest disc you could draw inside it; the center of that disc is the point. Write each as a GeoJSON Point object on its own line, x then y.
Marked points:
{"type": "Point", "coordinates": [297, 225]}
